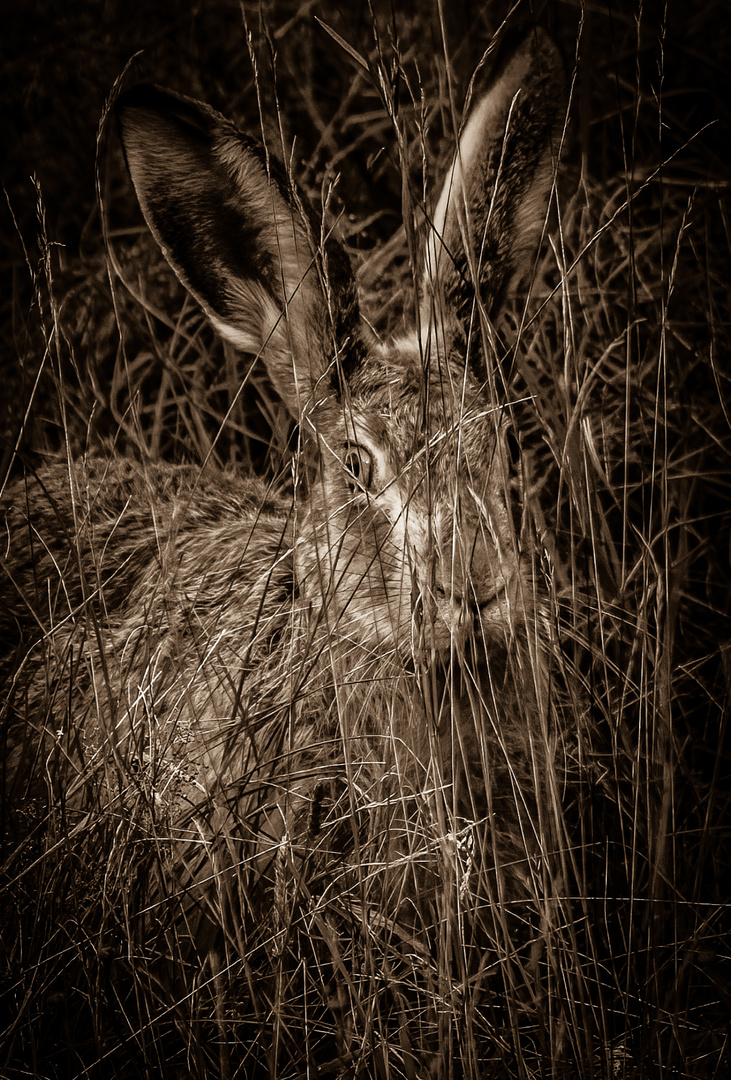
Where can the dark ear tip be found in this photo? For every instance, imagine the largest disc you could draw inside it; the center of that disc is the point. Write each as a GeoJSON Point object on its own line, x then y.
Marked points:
{"type": "Point", "coordinates": [137, 105]}
{"type": "Point", "coordinates": [538, 47]}
{"type": "Point", "coordinates": [149, 100]}
{"type": "Point", "coordinates": [547, 53]}
{"type": "Point", "coordinates": [144, 97]}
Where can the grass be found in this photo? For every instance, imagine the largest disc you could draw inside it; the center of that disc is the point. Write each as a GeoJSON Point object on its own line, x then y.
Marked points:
{"type": "Point", "coordinates": [364, 930]}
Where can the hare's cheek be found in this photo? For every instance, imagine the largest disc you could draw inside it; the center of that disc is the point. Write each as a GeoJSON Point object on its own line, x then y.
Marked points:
{"type": "Point", "coordinates": [352, 563]}
{"type": "Point", "coordinates": [371, 562]}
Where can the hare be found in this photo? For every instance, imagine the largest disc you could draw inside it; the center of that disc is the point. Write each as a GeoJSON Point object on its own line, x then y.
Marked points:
{"type": "Point", "coordinates": [190, 647]}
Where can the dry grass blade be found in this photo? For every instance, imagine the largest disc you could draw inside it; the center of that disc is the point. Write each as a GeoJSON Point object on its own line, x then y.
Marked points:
{"type": "Point", "coordinates": [300, 834]}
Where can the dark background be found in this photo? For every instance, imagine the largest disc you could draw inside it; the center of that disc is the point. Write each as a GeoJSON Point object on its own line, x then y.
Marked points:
{"type": "Point", "coordinates": [651, 94]}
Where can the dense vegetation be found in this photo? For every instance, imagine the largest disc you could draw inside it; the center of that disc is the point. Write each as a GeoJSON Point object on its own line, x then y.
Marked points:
{"type": "Point", "coordinates": [615, 371]}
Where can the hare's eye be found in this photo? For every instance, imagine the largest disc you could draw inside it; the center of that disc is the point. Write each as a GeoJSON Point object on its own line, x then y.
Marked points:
{"type": "Point", "coordinates": [359, 463]}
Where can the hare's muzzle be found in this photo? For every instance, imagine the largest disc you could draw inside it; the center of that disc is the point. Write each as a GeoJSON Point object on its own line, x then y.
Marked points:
{"type": "Point", "coordinates": [472, 565]}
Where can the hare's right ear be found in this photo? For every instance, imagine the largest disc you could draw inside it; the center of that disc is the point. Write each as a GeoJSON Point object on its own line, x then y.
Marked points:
{"type": "Point", "coordinates": [238, 236]}
{"type": "Point", "coordinates": [487, 224]}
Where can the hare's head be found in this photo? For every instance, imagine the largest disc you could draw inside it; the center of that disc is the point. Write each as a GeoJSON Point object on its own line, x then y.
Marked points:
{"type": "Point", "coordinates": [406, 538]}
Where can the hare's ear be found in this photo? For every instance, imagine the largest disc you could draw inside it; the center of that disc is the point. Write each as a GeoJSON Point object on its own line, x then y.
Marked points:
{"type": "Point", "coordinates": [487, 224]}
{"type": "Point", "coordinates": [237, 235]}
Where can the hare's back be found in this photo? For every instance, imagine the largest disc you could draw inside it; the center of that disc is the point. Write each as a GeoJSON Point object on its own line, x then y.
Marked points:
{"type": "Point", "coordinates": [137, 604]}
{"type": "Point", "coordinates": [101, 532]}
{"type": "Point", "coordinates": [109, 562]}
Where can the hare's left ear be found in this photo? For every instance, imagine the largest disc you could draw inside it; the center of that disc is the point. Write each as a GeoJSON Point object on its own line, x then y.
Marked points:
{"type": "Point", "coordinates": [487, 224]}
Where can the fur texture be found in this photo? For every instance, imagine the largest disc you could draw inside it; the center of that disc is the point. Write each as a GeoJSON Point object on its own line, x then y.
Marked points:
{"type": "Point", "coordinates": [247, 667]}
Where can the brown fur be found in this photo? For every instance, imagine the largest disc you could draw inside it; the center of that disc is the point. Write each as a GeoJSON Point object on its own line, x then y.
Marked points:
{"type": "Point", "coordinates": [358, 669]}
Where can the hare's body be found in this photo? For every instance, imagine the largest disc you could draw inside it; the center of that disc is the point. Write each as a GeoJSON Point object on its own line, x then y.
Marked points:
{"type": "Point", "coordinates": [174, 612]}
{"type": "Point", "coordinates": [152, 559]}
{"type": "Point", "coordinates": [355, 661]}
{"type": "Point", "coordinates": [198, 633]}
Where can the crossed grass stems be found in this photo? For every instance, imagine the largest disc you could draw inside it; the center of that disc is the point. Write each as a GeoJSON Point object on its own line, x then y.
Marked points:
{"type": "Point", "coordinates": [597, 964]}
